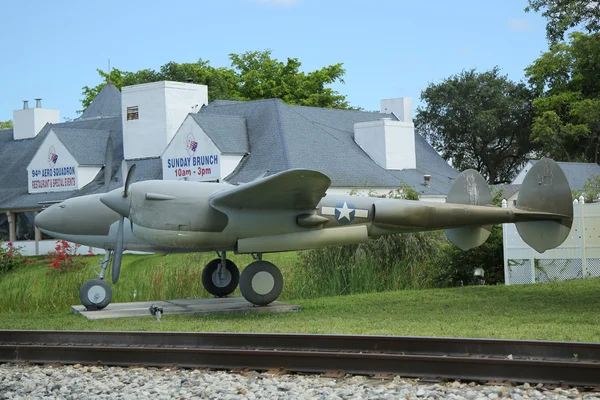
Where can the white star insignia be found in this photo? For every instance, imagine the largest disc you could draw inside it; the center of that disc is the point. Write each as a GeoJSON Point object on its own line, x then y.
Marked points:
{"type": "Point", "coordinates": [344, 212]}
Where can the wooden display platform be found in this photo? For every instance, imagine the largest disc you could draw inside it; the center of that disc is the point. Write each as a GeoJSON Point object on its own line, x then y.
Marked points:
{"type": "Point", "coordinates": [224, 305]}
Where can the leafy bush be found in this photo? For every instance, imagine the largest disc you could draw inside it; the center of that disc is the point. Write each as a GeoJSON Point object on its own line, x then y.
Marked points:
{"type": "Point", "coordinates": [10, 257]}
{"type": "Point", "coordinates": [391, 262]}
{"type": "Point", "coordinates": [64, 258]}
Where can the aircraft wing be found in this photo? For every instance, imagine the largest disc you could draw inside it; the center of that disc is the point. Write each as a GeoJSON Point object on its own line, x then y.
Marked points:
{"type": "Point", "coordinates": [295, 189]}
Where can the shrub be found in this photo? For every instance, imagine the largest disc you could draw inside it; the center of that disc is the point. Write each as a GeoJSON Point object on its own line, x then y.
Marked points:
{"type": "Point", "coordinates": [64, 258]}
{"type": "Point", "coordinates": [10, 257]}
{"type": "Point", "coordinates": [392, 262]}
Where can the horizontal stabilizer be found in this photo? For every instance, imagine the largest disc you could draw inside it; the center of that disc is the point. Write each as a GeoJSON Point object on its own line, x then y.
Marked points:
{"type": "Point", "coordinates": [295, 189]}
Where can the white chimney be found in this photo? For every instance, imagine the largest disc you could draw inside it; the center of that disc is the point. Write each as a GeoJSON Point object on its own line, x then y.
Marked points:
{"type": "Point", "coordinates": [401, 107]}
{"type": "Point", "coordinates": [28, 122]}
{"type": "Point", "coordinates": [390, 143]}
{"type": "Point", "coordinates": [152, 113]}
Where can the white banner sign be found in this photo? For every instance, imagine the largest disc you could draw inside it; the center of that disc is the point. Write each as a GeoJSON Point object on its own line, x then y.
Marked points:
{"type": "Point", "coordinates": [187, 159]}
{"type": "Point", "coordinates": [52, 169]}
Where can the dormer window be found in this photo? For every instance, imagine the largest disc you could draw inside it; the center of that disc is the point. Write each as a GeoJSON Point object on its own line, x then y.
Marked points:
{"type": "Point", "coordinates": [132, 113]}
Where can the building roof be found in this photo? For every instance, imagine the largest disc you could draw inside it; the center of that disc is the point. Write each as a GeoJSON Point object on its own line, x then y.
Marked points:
{"type": "Point", "coordinates": [16, 154]}
{"type": "Point", "coordinates": [282, 136]}
{"type": "Point", "coordinates": [85, 145]}
{"type": "Point", "coordinates": [227, 132]}
{"type": "Point", "coordinates": [507, 190]}
{"type": "Point", "coordinates": [107, 103]}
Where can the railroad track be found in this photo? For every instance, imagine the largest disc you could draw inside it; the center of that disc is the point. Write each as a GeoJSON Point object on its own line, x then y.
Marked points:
{"type": "Point", "coordinates": [441, 358]}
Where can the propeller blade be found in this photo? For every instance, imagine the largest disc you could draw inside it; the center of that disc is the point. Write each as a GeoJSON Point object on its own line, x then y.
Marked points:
{"type": "Point", "coordinates": [118, 252]}
{"type": "Point", "coordinates": [108, 164]}
{"type": "Point", "coordinates": [128, 180]}
{"type": "Point", "coordinates": [124, 171]}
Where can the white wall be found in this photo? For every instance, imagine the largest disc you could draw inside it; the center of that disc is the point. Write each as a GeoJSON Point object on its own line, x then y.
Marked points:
{"type": "Point", "coordinates": [182, 99]}
{"type": "Point", "coordinates": [162, 107]}
{"type": "Point", "coordinates": [42, 172]}
{"type": "Point", "coordinates": [228, 163]}
{"type": "Point", "coordinates": [86, 174]}
{"type": "Point", "coordinates": [391, 144]}
{"type": "Point", "coordinates": [521, 175]}
{"type": "Point", "coordinates": [577, 257]}
{"type": "Point", "coordinates": [46, 246]}
{"type": "Point", "coordinates": [401, 107]}
{"type": "Point", "coordinates": [29, 122]}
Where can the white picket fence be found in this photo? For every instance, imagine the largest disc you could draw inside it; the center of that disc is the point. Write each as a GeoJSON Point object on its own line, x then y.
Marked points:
{"type": "Point", "coordinates": [577, 257]}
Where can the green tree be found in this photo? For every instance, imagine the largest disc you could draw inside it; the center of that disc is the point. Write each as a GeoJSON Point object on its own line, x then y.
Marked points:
{"type": "Point", "coordinates": [6, 124]}
{"type": "Point", "coordinates": [262, 77]}
{"type": "Point", "coordinates": [563, 15]}
{"type": "Point", "coordinates": [566, 80]}
{"type": "Point", "coordinates": [119, 79]}
{"type": "Point", "coordinates": [480, 121]}
{"type": "Point", "coordinates": [253, 75]}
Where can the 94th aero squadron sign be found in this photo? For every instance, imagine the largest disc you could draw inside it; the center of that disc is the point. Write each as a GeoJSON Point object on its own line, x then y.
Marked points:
{"type": "Point", "coordinates": [51, 175]}
{"type": "Point", "coordinates": [186, 161]}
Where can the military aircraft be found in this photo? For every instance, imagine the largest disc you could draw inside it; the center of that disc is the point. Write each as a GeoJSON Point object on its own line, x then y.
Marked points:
{"type": "Point", "coordinates": [288, 211]}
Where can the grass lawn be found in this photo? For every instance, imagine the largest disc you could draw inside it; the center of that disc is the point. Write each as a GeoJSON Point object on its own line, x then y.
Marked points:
{"type": "Point", "coordinates": [565, 311]}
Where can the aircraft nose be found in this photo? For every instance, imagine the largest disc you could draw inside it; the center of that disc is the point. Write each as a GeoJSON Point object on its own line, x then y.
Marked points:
{"type": "Point", "coordinates": [116, 202]}
{"type": "Point", "coordinates": [49, 219]}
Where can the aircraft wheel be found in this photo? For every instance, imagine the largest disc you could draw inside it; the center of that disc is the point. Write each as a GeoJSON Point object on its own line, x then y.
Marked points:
{"type": "Point", "coordinates": [220, 284]}
{"type": "Point", "coordinates": [261, 283]}
{"type": "Point", "coordinates": [95, 294]}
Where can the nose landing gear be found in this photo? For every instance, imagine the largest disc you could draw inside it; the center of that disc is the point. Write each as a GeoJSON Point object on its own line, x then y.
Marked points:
{"type": "Point", "coordinates": [96, 294]}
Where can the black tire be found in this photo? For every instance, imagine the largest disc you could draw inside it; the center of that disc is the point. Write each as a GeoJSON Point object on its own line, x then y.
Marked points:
{"type": "Point", "coordinates": [95, 294]}
{"type": "Point", "coordinates": [271, 288]}
{"type": "Point", "coordinates": [209, 278]}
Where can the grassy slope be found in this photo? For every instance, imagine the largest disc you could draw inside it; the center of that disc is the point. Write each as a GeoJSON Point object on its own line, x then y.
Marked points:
{"type": "Point", "coordinates": [555, 311]}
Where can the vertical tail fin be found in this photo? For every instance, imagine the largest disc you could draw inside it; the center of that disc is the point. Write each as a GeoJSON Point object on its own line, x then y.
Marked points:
{"type": "Point", "coordinates": [469, 188]}
{"type": "Point", "coordinates": [545, 189]}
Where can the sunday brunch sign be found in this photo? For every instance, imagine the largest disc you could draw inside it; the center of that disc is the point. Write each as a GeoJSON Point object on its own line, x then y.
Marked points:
{"type": "Point", "coordinates": [52, 169]}
{"type": "Point", "coordinates": [187, 158]}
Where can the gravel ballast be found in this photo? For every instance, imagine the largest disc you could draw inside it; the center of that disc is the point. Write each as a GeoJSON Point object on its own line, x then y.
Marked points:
{"type": "Point", "coordinates": [97, 382]}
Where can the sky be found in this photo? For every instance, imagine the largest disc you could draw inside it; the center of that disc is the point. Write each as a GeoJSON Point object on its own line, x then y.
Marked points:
{"type": "Point", "coordinates": [389, 48]}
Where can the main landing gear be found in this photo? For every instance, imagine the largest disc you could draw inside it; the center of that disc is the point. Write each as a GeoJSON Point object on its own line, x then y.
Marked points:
{"type": "Point", "coordinates": [260, 283]}
{"type": "Point", "coordinates": [96, 294]}
{"type": "Point", "coordinates": [221, 276]}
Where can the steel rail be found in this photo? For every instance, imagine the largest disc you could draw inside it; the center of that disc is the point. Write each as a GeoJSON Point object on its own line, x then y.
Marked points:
{"type": "Point", "coordinates": [476, 359]}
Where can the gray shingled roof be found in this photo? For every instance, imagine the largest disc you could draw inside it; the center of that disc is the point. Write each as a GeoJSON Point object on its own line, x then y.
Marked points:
{"type": "Point", "coordinates": [507, 190]}
{"type": "Point", "coordinates": [85, 145]}
{"type": "Point", "coordinates": [283, 137]}
{"type": "Point", "coordinates": [107, 103]}
{"type": "Point", "coordinates": [227, 132]}
{"type": "Point", "coordinates": [16, 154]}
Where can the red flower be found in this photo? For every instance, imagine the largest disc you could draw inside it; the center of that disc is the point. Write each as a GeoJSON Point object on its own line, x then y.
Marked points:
{"type": "Point", "coordinates": [25, 260]}
{"type": "Point", "coordinates": [47, 273]}
{"type": "Point", "coordinates": [10, 244]}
